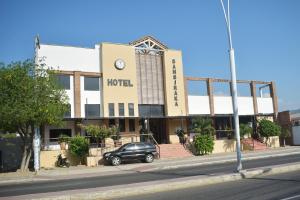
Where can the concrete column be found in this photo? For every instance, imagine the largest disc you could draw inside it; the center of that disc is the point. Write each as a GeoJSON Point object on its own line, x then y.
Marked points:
{"type": "Point", "coordinates": [77, 99]}
{"type": "Point", "coordinates": [274, 99]}
{"type": "Point", "coordinates": [209, 84]}
{"type": "Point", "coordinates": [253, 94]}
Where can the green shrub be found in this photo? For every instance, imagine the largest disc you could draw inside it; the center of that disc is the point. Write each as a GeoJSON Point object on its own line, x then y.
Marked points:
{"type": "Point", "coordinates": [79, 146]}
{"type": "Point", "coordinates": [204, 144]}
{"type": "Point", "coordinates": [268, 129]}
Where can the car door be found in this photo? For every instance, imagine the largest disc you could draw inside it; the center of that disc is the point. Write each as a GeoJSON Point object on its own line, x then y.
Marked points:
{"type": "Point", "coordinates": [140, 150]}
{"type": "Point", "coordinates": [129, 152]}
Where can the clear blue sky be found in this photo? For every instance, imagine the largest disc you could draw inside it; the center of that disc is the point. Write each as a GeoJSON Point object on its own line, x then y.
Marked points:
{"type": "Point", "coordinates": [266, 34]}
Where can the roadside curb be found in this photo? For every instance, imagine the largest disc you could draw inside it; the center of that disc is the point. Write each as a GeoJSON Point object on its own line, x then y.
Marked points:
{"type": "Point", "coordinates": [165, 185]}
{"type": "Point", "coordinates": [207, 161]}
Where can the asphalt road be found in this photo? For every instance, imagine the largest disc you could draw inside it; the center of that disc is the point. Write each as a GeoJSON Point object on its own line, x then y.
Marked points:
{"type": "Point", "coordinates": [281, 186]}
{"type": "Point", "coordinates": [101, 181]}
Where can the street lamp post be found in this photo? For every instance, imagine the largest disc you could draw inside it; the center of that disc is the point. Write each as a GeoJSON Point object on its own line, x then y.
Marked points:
{"type": "Point", "coordinates": [233, 87]}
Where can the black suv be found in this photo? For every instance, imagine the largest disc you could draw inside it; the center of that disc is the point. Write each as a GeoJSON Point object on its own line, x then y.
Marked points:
{"type": "Point", "coordinates": [132, 151]}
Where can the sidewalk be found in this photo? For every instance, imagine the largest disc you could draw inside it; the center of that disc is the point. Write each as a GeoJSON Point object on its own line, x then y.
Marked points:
{"type": "Point", "coordinates": [83, 171]}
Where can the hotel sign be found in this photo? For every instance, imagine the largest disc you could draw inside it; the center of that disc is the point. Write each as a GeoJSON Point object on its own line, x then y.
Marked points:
{"type": "Point", "coordinates": [119, 82]}
{"type": "Point", "coordinates": [174, 84]}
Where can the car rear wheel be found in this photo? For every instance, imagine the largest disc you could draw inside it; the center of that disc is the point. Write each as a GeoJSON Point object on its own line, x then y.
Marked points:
{"type": "Point", "coordinates": [149, 158]}
{"type": "Point", "coordinates": [115, 161]}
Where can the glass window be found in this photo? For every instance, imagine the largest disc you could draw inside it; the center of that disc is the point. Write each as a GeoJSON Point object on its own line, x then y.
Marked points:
{"type": "Point", "coordinates": [151, 110]}
{"type": "Point", "coordinates": [121, 109]}
{"type": "Point", "coordinates": [130, 147]}
{"type": "Point", "coordinates": [63, 81]}
{"type": "Point", "coordinates": [92, 110]}
{"type": "Point", "coordinates": [55, 133]}
{"type": "Point", "coordinates": [111, 109]}
{"type": "Point", "coordinates": [131, 109]}
{"type": "Point", "coordinates": [91, 83]}
{"type": "Point", "coordinates": [68, 112]}
{"type": "Point", "coordinates": [122, 125]}
{"type": "Point", "coordinates": [131, 125]}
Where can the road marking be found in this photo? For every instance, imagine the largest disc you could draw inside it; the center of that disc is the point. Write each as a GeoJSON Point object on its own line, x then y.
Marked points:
{"type": "Point", "coordinates": [292, 197]}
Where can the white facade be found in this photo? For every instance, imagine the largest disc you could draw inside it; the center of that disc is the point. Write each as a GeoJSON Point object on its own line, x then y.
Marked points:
{"type": "Point", "coordinates": [70, 94]}
{"type": "Point", "coordinates": [90, 97]}
{"type": "Point", "coordinates": [67, 58]}
{"type": "Point", "coordinates": [265, 105]}
{"type": "Point", "coordinates": [199, 105]}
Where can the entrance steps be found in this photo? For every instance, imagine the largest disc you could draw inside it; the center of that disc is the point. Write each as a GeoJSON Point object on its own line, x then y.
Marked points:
{"type": "Point", "coordinates": [174, 151]}
{"type": "Point", "coordinates": [253, 144]}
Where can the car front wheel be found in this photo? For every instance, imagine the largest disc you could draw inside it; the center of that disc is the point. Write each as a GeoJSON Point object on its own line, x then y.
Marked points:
{"type": "Point", "coordinates": [149, 158]}
{"type": "Point", "coordinates": [115, 161]}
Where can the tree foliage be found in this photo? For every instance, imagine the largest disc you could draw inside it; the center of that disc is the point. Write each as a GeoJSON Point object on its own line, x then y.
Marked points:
{"type": "Point", "coordinates": [268, 129]}
{"type": "Point", "coordinates": [29, 97]}
{"type": "Point", "coordinates": [203, 126]}
{"type": "Point", "coordinates": [99, 133]}
{"type": "Point", "coordinates": [245, 129]}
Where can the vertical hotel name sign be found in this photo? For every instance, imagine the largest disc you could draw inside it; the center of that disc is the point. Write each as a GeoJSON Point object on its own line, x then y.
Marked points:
{"type": "Point", "coordinates": [174, 83]}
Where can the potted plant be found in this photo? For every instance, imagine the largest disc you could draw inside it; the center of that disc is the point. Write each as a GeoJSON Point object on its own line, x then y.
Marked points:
{"type": "Point", "coordinates": [62, 141]}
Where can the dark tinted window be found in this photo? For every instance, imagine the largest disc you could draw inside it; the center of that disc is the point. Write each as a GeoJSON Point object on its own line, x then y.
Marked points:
{"type": "Point", "coordinates": [111, 109]}
{"type": "Point", "coordinates": [131, 125]}
{"type": "Point", "coordinates": [63, 81]}
{"type": "Point", "coordinates": [140, 146]}
{"type": "Point", "coordinates": [151, 110]}
{"type": "Point", "coordinates": [122, 125]}
{"type": "Point", "coordinates": [121, 109]}
{"type": "Point", "coordinates": [91, 83]}
{"type": "Point", "coordinates": [130, 147]}
{"type": "Point", "coordinates": [55, 133]}
{"type": "Point", "coordinates": [131, 109]}
{"type": "Point", "coordinates": [92, 110]}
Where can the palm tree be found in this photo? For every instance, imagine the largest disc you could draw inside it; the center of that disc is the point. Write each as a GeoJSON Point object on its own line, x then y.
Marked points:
{"type": "Point", "coordinates": [203, 126]}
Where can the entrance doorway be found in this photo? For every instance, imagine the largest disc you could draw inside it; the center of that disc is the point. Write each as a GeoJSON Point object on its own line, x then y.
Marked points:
{"type": "Point", "coordinates": [158, 127]}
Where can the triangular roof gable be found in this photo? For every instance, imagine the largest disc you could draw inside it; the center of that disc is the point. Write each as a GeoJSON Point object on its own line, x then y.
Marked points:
{"type": "Point", "coordinates": [150, 42]}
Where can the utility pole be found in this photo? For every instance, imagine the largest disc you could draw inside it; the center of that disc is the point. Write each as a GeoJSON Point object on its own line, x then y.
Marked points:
{"type": "Point", "coordinates": [233, 87]}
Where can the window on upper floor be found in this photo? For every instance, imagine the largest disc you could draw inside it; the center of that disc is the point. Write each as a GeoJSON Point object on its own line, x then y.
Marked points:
{"type": "Point", "coordinates": [63, 81]}
{"type": "Point", "coordinates": [92, 110]}
{"type": "Point", "coordinates": [91, 83]}
{"type": "Point", "coordinates": [131, 109]}
{"type": "Point", "coordinates": [121, 109]}
{"type": "Point", "coordinates": [111, 109]}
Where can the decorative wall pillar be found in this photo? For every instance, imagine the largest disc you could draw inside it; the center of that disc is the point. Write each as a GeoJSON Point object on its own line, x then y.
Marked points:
{"type": "Point", "coordinates": [253, 94]}
{"type": "Point", "coordinates": [77, 97]}
{"type": "Point", "coordinates": [274, 99]}
{"type": "Point", "coordinates": [210, 92]}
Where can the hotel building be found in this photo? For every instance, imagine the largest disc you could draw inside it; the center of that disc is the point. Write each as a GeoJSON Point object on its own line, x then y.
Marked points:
{"type": "Point", "coordinates": [142, 84]}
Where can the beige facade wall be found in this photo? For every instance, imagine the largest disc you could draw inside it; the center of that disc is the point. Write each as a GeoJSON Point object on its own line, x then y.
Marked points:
{"type": "Point", "coordinates": [49, 158]}
{"type": "Point", "coordinates": [175, 104]}
{"type": "Point", "coordinates": [273, 142]}
{"type": "Point", "coordinates": [172, 126]}
{"type": "Point", "coordinates": [222, 146]}
{"type": "Point", "coordinates": [119, 94]}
